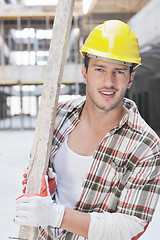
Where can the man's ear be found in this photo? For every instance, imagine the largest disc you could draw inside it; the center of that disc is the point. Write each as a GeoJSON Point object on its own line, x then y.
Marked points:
{"type": "Point", "coordinates": [131, 79]}
{"type": "Point", "coordinates": [84, 74]}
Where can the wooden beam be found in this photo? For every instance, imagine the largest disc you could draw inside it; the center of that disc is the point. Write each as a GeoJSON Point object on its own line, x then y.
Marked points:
{"type": "Point", "coordinates": [47, 112]}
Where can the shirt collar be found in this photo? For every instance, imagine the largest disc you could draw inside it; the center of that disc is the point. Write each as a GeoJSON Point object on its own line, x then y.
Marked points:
{"type": "Point", "coordinates": [132, 117]}
{"type": "Point", "coordinates": [77, 105]}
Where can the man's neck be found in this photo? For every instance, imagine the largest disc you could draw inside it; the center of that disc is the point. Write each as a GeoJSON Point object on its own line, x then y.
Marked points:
{"type": "Point", "coordinates": [100, 120]}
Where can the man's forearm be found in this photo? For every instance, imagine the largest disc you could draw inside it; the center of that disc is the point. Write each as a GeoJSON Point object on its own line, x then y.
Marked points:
{"type": "Point", "coordinates": [103, 225]}
{"type": "Point", "coordinates": [76, 222]}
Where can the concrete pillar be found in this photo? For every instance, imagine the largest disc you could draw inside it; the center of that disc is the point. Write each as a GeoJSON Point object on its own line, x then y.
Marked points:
{"type": "Point", "coordinates": [145, 24]}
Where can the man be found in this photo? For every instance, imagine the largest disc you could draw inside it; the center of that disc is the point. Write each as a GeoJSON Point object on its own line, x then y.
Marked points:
{"type": "Point", "coordinates": [107, 159]}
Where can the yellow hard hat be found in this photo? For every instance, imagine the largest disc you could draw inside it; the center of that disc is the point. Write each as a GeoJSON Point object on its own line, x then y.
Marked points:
{"type": "Point", "coordinates": [113, 40]}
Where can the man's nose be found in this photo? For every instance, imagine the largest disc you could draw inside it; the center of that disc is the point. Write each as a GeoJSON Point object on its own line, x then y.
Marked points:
{"type": "Point", "coordinates": [109, 79]}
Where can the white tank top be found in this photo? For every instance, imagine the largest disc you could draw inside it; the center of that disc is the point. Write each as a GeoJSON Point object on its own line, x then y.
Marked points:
{"type": "Point", "coordinates": [71, 169]}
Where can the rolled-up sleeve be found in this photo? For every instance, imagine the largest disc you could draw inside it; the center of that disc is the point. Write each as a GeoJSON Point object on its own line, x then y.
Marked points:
{"type": "Point", "coordinates": [117, 226]}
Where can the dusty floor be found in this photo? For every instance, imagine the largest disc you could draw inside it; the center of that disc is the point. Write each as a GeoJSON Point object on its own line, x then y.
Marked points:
{"type": "Point", "coordinates": [15, 148]}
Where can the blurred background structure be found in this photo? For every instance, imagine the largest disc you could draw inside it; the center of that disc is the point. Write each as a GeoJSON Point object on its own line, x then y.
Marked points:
{"type": "Point", "coordinates": [25, 34]}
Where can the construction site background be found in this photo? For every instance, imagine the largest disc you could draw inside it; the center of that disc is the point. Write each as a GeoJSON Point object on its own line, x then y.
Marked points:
{"type": "Point", "coordinates": [25, 34]}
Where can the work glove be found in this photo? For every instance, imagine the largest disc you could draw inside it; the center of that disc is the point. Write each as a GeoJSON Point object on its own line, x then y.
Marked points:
{"type": "Point", "coordinates": [52, 180]}
{"type": "Point", "coordinates": [25, 179]}
{"type": "Point", "coordinates": [39, 209]}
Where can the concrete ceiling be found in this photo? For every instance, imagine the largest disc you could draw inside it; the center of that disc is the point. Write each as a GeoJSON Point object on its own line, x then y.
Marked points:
{"type": "Point", "coordinates": [114, 6]}
{"type": "Point", "coordinates": [97, 11]}
{"type": "Point", "coordinates": [89, 12]}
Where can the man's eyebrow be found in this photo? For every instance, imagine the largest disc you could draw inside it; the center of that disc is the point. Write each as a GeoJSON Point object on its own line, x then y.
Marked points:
{"type": "Point", "coordinates": [99, 65]}
{"type": "Point", "coordinates": [125, 68]}
{"type": "Point", "coordinates": [122, 69]}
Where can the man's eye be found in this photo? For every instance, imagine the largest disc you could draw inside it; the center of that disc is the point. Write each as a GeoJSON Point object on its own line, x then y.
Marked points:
{"type": "Point", "coordinates": [120, 72]}
{"type": "Point", "coordinates": [99, 69]}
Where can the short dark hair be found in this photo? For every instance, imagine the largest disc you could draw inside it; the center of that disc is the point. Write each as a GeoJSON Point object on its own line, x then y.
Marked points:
{"type": "Point", "coordinates": [86, 63]}
{"type": "Point", "coordinates": [131, 68]}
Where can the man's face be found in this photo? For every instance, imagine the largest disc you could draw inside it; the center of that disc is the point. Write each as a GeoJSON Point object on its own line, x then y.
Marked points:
{"type": "Point", "coordinates": [106, 84]}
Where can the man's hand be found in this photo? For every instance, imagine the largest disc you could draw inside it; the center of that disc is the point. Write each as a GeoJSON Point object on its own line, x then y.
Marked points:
{"type": "Point", "coordinates": [39, 209]}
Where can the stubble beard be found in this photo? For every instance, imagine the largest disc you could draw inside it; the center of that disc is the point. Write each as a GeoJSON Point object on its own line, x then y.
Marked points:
{"type": "Point", "coordinates": [109, 106]}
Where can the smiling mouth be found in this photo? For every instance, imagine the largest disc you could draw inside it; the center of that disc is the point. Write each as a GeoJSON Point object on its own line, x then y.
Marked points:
{"type": "Point", "coordinates": [107, 93]}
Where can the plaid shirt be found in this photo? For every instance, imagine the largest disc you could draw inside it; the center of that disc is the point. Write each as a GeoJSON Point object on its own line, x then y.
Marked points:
{"type": "Point", "coordinates": [125, 174]}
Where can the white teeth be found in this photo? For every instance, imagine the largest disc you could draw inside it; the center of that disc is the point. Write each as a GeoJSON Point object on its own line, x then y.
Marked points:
{"type": "Point", "coordinates": [108, 93]}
